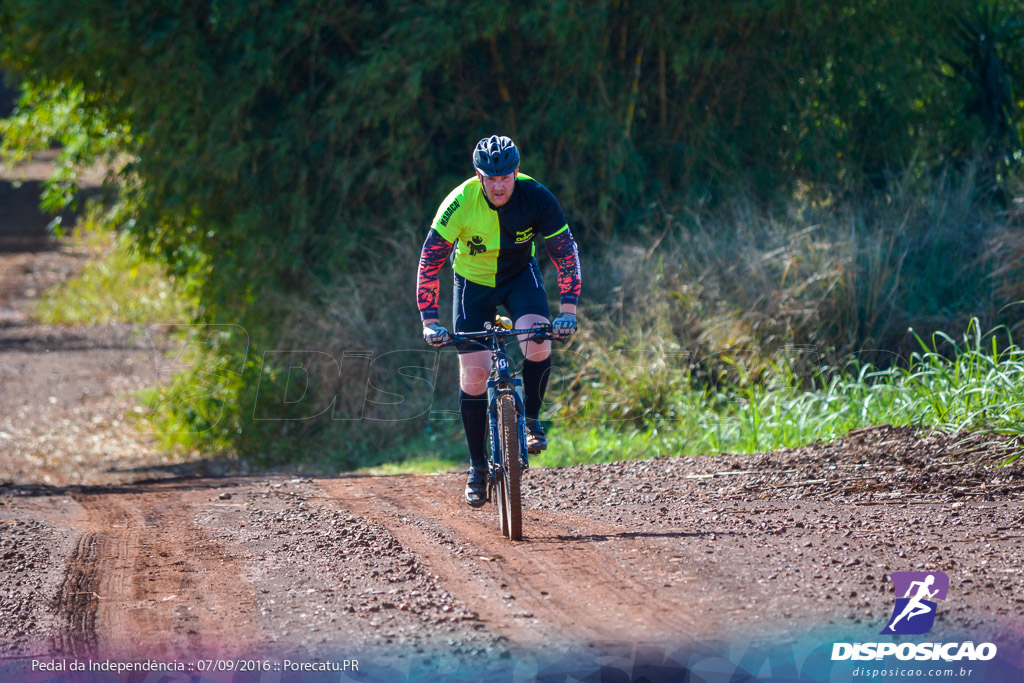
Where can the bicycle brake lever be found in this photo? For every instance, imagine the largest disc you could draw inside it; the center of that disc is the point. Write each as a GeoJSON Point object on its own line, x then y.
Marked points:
{"type": "Point", "coordinates": [541, 336]}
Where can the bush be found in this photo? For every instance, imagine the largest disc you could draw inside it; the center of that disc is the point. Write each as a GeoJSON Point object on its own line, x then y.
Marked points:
{"type": "Point", "coordinates": [275, 148]}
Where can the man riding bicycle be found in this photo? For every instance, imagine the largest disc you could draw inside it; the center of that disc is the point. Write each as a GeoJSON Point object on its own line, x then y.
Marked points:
{"type": "Point", "coordinates": [490, 221]}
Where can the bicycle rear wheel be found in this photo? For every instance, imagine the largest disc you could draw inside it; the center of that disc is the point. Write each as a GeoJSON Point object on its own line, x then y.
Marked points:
{"type": "Point", "coordinates": [510, 508]}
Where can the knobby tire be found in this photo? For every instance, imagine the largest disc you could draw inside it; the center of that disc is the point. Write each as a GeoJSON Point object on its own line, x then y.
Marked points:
{"type": "Point", "coordinates": [500, 500]}
{"type": "Point", "coordinates": [510, 509]}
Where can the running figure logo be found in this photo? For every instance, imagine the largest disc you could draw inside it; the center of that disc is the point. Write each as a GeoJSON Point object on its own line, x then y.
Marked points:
{"type": "Point", "coordinates": [914, 612]}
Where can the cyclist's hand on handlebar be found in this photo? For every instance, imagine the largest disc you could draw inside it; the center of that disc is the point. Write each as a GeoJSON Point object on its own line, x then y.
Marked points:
{"type": "Point", "coordinates": [436, 335]}
{"type": "Point", "coordinates": [564, 325]}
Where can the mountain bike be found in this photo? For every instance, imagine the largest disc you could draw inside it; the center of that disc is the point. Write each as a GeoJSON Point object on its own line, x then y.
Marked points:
{"type": "Point", "coordinates": [507, 418]}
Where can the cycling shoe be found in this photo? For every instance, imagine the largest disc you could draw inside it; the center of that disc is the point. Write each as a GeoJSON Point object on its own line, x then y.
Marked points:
{"type": "Point", "coordinates": [476, 487]}
{"type": "Point", "coordinates": [536, 440]}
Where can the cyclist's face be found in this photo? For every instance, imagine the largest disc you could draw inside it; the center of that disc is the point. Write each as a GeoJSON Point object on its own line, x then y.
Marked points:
{"type": "Point", "coordinates": [498, 188]}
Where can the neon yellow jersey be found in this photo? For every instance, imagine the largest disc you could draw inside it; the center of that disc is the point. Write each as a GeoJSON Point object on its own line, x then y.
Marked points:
{"type": "Point", "coordinates": [494, 244]}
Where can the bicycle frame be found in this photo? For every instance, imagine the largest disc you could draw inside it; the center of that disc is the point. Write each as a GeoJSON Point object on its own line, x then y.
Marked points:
{"type": "Point", "coordinates": [501, 382]}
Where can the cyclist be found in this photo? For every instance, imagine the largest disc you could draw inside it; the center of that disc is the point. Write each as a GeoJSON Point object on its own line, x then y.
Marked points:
{"type": "Point", "coordinates": [490, 220]}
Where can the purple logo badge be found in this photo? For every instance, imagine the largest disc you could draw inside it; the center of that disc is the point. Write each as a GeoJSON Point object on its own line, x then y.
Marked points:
{"type": "Point", "coordinates": [916, 593]}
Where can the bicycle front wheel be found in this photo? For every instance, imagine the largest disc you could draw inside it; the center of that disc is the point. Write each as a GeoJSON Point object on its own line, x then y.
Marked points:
{"type": "Point", "coordinates": [510, 508]}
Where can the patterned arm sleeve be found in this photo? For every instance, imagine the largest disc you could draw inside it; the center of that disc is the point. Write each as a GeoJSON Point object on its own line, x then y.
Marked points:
{"type": "Point", "coordinates": [428, 284]}
{"type": "Point", "coordinates": [562, 250]}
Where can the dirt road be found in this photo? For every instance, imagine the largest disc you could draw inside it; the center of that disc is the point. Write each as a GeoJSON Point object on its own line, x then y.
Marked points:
{"type": "Point", "coordinates": [110, 549]}
{"type": "Point", "coordinates": [664, 551]}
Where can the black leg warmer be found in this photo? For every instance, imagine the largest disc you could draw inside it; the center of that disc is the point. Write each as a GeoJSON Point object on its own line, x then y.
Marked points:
{"type": "Point", "coordinates": [535, 383]}
{"type": "Point", "coordinates": [474, 420]}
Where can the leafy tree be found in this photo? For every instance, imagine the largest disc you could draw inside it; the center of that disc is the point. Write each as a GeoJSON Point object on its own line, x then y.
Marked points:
{"type": "Point", "coordinates": [274, 145]}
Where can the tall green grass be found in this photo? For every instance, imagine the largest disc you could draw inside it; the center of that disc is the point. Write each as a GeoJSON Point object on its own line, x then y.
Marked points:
{"type": "Point", "coordinates": [972, 384]}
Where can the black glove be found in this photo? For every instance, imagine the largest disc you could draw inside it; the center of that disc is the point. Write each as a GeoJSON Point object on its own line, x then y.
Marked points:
{"type": "Point", "coordinates": [435, 335]}
{"type": "Point", "coordinates": [564, 325]}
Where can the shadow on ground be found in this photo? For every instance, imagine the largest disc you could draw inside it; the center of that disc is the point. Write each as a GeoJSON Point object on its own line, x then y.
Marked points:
{"type": "Point", "coordinates": [24, 227]}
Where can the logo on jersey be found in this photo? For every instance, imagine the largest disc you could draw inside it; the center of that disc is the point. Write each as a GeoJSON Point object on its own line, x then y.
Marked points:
{"type": "Point", "coordinates": [914, 612]}
{"type": "Point", "coordinates": [476, 246]}
{"type": "Point", "coordinates": [524, 235]}
{"type": "Point", "coordinates": [447, 215]}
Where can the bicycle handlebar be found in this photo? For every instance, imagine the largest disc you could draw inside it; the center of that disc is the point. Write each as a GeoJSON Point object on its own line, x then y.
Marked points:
{"type": "Point", "coordinates": [539, 333]}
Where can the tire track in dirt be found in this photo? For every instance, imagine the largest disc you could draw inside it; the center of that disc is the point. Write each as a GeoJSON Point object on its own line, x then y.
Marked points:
{"type": "Point", "coordinates": [571, 580]}
{"type": "Point", "coordinates": [145, 579]}
{"type": "Point", "coordinates": [76, 601]}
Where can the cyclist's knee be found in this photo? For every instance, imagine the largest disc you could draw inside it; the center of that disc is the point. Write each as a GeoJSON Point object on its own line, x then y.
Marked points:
{"type": "Point", "coordinates": [536, 351]}
{"type": "Point", "coordinates": [473, 371]}
{"type": "Point", "coordinates": [473, 388]}
{"type": "Point", "coordinates": [533, 350]}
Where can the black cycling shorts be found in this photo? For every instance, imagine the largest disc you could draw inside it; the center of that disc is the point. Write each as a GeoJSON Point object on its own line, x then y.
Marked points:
{"type": "Point", "coordinates": [521, 295]}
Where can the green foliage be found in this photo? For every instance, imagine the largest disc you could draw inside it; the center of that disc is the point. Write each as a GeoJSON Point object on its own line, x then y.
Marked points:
{"type": "Point", "coordinates": [118, 286]}
{"type": "Point", "coordinates": [740, 288]}
{"type": "Point", "coordinates": [974, 384]}
{"type": "Point", "coordinates": [51, 113]}
{"type": "Point", "coordinates": [752, 331]}
{"type": "Point", "coordinates": [987, 60]}
{"type": "Point", "coordinates": [276, 152]}
{"type": "Point", "coordinates": [267, 132]}
{"type": "Point", "coordinates": [199, 403]}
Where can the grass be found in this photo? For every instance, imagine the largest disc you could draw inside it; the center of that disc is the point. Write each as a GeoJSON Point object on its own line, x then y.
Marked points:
{"type": "Point", "coordinates": [740, 332]}
{"type": "Point", "coordinates": [117, 286]}
{"type": "Point", "coordinates": [427, 453]}
{"type": "Point", "coordinates": [976, 384]}
{"type": "Point", "coordinates": [415, 465]}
